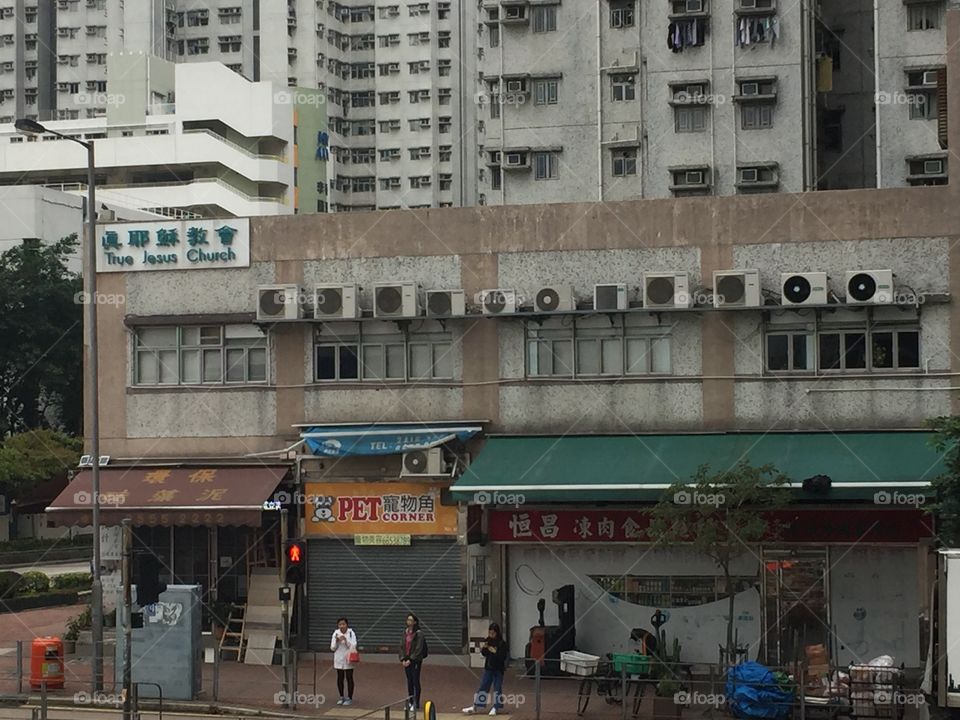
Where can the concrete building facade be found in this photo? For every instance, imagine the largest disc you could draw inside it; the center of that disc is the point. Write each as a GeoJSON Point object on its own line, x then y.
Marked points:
{"type": "Point", "coordinates": [198, 156]}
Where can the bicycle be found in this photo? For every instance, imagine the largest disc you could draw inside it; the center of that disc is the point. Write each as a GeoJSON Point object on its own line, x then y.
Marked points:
{"type": "Point", "coordinates": [609, 684]}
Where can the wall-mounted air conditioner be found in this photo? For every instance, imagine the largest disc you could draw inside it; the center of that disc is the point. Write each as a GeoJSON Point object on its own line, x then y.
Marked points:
{"type": "Point", "coordinates": [803, 288]}
{"type": "Point", "coordinates": [446, 303]}
{"type": "Point", "coordinates": [332, 302]}
{"type": "Point", "coordinates": [736, 288]}
{"type": "Point", "coordinates": [498, 301]}
{"type": "Point", "coordinates": [422, 462]}
{"type": "Point", "coordinates": [666, 290]}
{"type": "Point", "coordinates": [279, 302]}
{"type": "Point", "coordinates": [869, 287]}
{"type": "Point", "coordinates": [395, 300]}
{"type": "Point", "coordinates": [555, 299]}
{"type": "Point", "coordinates": [611, 296]}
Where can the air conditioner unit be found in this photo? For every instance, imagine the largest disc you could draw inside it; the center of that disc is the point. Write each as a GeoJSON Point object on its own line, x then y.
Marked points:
{"type": "Point", "coordinates": [749, 175]}
{"type": "Point", "coordinates": [395, 300]}
{"type": "Point", "coordinates": [516, 160]}
{"type": "Point", "coordinates": [610, 297]}
{"type": "Point", "coordinates": [748, 4]}
{"type": "Point", "coordinates": [331, 302]}
{"type": "Point", "coordinates": [929, 77]}
{"type": "Point", "coordinates": [498, 301]}
{"type": "Point", "coordinates": [805, 288]}
{"type": "Point", "coordinates": [933, 167]}
{"type": "Point", "coordinates": [279, 302]}
{"type": "Point", "coordinates": [694, 6]}
{"type": "Point", "coordinates": [422, 462]}
{"type": "Point", "coordinates": [736, 288]}
{"type": "Point", "coordinates": [555, 299]}
{"type": "Point", "coordinates": [515, 86]}
{"type": "Point", "coordinates": [446, 303]}
{"type": "Point", "coordinates": [869, 287]}
{"type": "Point", "coordinates": [666, 289]}
{"type": "Point", "coordinates": [750, 88]}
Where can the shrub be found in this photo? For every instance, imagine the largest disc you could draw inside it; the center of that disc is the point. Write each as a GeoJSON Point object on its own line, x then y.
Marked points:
{"type": "Point", "coordinates": [32, 582]}
{"type": "Point", "coordinates": [72, 581]}
{"type": "Point", "coordinates": [9, 583]}
{"type": "Point", "coordinates": [83, 621]}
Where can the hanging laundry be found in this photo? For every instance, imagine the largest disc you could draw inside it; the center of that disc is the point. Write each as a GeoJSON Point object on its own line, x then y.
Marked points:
{"type": "Point", "coordinates": [755, 30]}
{"type": "Point", "coordinates": [684, 33]}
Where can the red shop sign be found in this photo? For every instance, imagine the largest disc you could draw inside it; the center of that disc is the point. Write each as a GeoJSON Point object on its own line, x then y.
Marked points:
{"type": "Point", "coordinates": [800, 525]}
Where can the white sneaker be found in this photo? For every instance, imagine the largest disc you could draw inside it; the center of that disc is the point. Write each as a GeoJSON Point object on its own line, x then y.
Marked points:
{"type": "Point", "coordinates": [493, 711]}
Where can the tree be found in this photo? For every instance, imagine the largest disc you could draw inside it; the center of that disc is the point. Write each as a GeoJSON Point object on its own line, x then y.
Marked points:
{"type": "Point", "coordinates": [41, 319]}
{"type": "Point", "coordinates": [34, 457]}
{"type": "Point", "coordinates": [946, 487]}
{"type": "Point", "coordinates": [722, 516]}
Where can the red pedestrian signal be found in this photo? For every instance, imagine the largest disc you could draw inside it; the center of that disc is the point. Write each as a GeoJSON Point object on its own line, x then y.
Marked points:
{"type": "Point", "coordinates": [296, 556]}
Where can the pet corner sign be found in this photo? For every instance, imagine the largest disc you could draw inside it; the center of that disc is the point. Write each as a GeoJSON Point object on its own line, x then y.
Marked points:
{"type": "Point", "coordinates": [174, 245]}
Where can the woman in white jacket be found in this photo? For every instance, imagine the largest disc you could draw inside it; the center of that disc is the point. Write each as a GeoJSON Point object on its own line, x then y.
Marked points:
{"type": "Point", "coordinates": [343, 644]}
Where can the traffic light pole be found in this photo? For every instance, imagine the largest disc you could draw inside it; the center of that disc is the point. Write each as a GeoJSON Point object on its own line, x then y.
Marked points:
{"type": "Point", "coordinates": [284, 610]}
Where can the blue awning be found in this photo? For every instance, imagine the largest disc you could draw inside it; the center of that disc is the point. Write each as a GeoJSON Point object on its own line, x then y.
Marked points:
{"type": "Point", "coordinates": [383, 439]}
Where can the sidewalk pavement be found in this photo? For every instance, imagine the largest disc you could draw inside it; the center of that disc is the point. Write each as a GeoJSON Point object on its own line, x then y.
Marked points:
{"type": "Point", "coordinates": [447, 682]}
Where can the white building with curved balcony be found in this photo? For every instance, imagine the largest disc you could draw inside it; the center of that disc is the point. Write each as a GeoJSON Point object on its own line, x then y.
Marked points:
{"type": "Point", "coordinates": [183, 140]}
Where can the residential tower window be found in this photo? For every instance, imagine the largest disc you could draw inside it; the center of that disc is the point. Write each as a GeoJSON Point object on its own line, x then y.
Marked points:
{"type": "Point", "coordinates": [846, 347]}
{"type": "Point", "coordinates": [545, 165]}
{"type": "Point", "coordinates": [624, 162]}
{"type": "Point", "coordinates": [622, 13]}
{"type": "Point", "coordinates": [545, 92]}
{"type": "Point", "coordinates": [544, 18]}
{"type": "Point", "coordinates": [924, 16]}
{"type": "Point", "coordinates": [624, 87]}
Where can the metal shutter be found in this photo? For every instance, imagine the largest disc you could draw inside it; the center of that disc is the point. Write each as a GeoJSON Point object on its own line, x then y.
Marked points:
{"type": "Point", "coordinates": [375, 587]}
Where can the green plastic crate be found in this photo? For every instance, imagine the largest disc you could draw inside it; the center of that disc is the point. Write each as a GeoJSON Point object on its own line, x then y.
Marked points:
{"type": "Point", "coordinates": [635, 663]}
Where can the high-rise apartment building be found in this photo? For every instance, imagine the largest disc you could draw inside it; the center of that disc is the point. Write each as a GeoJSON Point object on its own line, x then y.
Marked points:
{"type": "Point", "coordinates": [432, 104]}
{"type": "Point", "coordinates": [621, 99]}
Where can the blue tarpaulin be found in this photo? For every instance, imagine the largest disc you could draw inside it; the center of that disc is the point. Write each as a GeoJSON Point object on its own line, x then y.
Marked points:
{"type": "Point", "coordinates": [383, 439]}
{"type": "Point", "coordinates": [753, 692]}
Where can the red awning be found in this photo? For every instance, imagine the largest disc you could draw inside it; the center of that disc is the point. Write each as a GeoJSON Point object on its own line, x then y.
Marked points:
{"type": "Point", "coordinates": [221, 495]}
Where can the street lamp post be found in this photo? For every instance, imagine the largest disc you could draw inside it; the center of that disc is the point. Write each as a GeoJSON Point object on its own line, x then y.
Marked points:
{"type": "Point", "coordinates": [32, 127]}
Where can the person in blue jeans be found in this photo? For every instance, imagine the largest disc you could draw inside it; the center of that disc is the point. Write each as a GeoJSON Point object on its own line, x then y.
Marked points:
{"type": "Point", "coordinates": [495, 655]}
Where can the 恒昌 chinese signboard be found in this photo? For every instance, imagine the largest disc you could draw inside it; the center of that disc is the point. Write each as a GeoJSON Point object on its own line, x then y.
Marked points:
{"type": "Point", "coordinates": [174, 245]}
{"type": "Point", "coordinates": [367, 509]}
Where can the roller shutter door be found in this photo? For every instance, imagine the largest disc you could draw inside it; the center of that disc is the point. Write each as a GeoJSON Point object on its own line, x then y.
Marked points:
{"type": "Point", "coordinates": [375, 587]}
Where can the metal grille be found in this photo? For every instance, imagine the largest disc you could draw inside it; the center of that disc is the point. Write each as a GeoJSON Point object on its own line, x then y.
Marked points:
{"type": "Point", "coordinates": [375, 587]}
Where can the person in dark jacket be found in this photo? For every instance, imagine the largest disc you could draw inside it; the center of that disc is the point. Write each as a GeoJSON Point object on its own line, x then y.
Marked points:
{"type": "Point", "coordinates": [495, 655]}
{"type": "Point", "coordinates": [411, 657]}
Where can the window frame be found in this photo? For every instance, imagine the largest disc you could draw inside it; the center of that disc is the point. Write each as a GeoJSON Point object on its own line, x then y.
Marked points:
{"type": "Point", "coordinates": [440, 344]}
{"type": "Point", "coordinates": [576, 336]}
{"type": "Point", "coordinates": [552, 168]}
{"type": "Point", "coordinates": [623, 157]}
{"type": "Point", "coordinates": [867, 328]}
{"type": "Point", "coordinates": [693, 110]}
{"type": "Point", "coordinates": [618, 85]}
{"type": "Point", "coordinates": [546, 91]}
{"type": "Point", "coordinates": [543, 18]}
{"type": "Point", "coordinates": [923, 11]}
{"type": "Point", "coordinates": [183, 349]}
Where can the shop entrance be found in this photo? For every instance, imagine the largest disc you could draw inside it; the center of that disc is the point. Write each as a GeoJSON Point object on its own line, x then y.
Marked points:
{"type": "Point", "coordinates": [796, 610]}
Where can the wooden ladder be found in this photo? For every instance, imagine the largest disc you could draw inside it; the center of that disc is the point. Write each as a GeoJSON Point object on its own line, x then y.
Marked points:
{"type": "Point", "coordinates": [262, 551]}
{"type": "Point", "coordinates": [234, 639]}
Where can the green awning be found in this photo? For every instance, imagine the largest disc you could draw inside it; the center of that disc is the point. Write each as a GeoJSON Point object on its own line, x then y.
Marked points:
{"type": "Point", "coordinates": [641, 467]}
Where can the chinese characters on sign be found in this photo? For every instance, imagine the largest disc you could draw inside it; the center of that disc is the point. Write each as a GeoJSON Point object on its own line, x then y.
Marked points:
{"type": "Point", "coordinates": [381, 539]}
{"type": "Point", "coordinates": [608, 525]}
{"type": "Point", "coordinates": [174, 245]}
{"type": "Point", "coordinates": [377, 508]}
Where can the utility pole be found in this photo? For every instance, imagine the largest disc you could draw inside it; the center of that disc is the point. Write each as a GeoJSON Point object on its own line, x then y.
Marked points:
{"type": "Point", "coordinates": [127, 620]}
{"type": "Point", "coordinates": [284, 610]}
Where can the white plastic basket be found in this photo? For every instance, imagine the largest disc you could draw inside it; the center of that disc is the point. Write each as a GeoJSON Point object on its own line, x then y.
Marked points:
{"type": "Point", "coordinates": [578, 663]}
